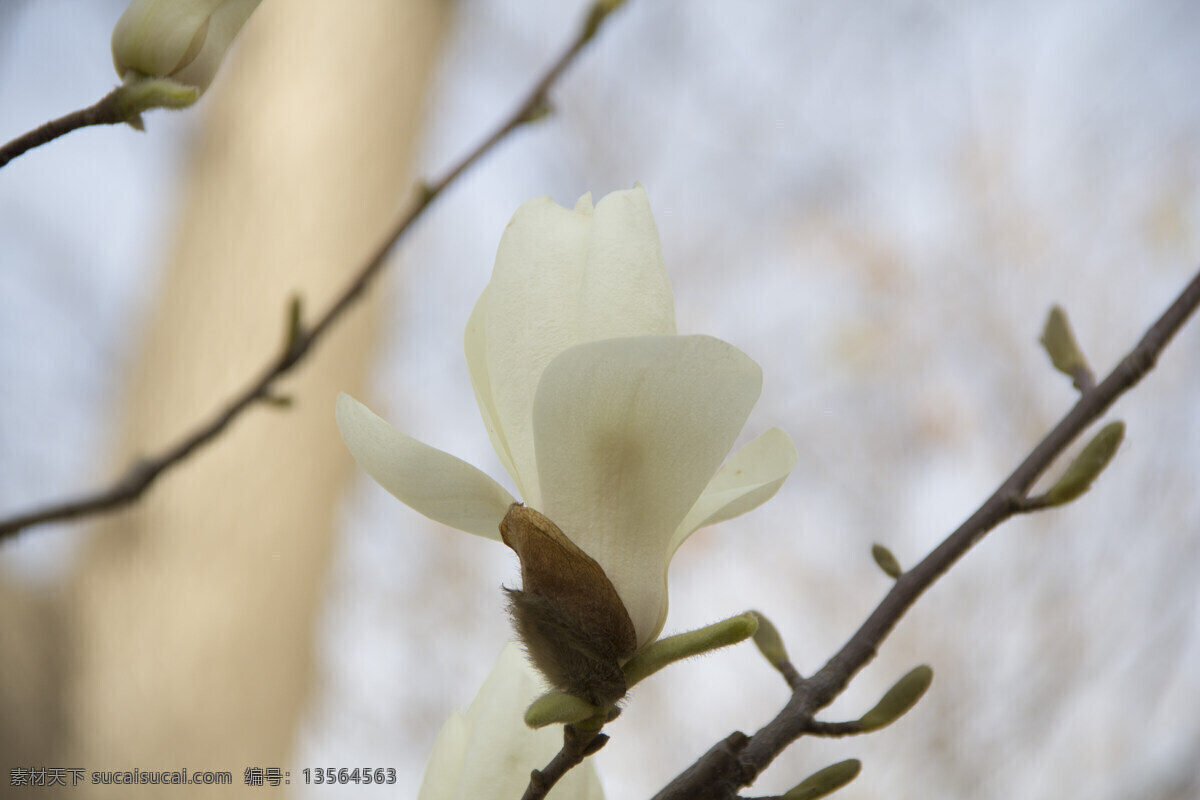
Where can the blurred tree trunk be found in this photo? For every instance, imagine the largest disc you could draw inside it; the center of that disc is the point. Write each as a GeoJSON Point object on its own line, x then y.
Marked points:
{"type": "Point", "coordinates": [189, 628]}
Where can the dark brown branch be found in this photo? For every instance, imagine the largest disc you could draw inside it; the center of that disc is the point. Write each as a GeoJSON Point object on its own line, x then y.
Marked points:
{"type": "Point", "coordinates": [577, 745]}
{"type": "Point", "coordinates": [138, 478]}
{"type": "Point", "coordinates": [105, 112]}
{"type": "Point", "coordinates": [821, 689]}
{"type": "Point", "coordinates": [816, 727]}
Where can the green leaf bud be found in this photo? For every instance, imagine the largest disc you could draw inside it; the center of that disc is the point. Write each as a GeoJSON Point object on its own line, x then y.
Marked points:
{"type": "Point", "coordinates": [1060, 344]}
{"type": "Point", "coordinates": [768, 640]}
{"type": "Point", "coordinates": [597, 14]}
{"type": "Point", "coordinates": [886, 561]}
{"type": "Point", "coordinates": [826, 781]}
{"type": "Point", "coordinates": [1087, 466]}
{"type": "Point", "coordinates": [898, 700]}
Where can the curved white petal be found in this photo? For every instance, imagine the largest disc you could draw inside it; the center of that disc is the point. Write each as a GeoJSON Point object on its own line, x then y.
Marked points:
{"type": "Point", "coordinates": [432, 482]}
{"type": "Point", "coordinates": [562, 276]}
{"type": "Point", "coordinates": [223, 27]}
{"type": "Point", "coordinates": [475, 345]}
{"type": "Point", "coordinates": [748, 479]}
{"type": "Point", "coordinates": [625, 290]}
{"type": "Point", "coordinates": [152, 36]}
{"type": "Point", "coordinates": [629, 432]}
{"type": "Point", "coordinates": [489, 751]}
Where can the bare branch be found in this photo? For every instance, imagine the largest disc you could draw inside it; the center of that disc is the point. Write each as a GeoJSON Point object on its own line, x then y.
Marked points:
{"type": "Point", "coordinates": [578, 744]}
{"type": "Point", "coordinates": [138, 477]}
{"type": "Point", "coordinates": [715, 768]}
{"type": "Point", "coordinates": [107, 111]}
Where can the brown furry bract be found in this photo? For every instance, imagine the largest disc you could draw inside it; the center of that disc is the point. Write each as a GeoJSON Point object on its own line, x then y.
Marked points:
{"type": "Point", "coordinates": [567, 612]}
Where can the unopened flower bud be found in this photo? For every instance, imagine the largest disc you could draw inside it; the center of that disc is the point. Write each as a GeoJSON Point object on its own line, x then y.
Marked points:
{"type": "Point", "coordinates": [567, 613]}
{"type": "Point", "coordinates": [184, 40]}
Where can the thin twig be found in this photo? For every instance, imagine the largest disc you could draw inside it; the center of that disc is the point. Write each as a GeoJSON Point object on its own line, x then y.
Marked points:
{"type": "Point", "coordinates": [577, 745]}
{"type": "Point", "coordinates": [106, 112]}
{"type": "Point", "coordinates": [814, 693]}
{"type": "Point", "coordinates": [138, 478]}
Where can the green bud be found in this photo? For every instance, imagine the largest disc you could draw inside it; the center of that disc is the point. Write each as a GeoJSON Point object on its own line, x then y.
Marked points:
{"type": "Point", "coordinates": [666, 651]}
{"type": "Point", "coordinates": [597, 14]}
{"type": "Point", "coordinates": [555, 707]}
{"type": "Point", "coordinates": [826, 781]}
{"type": "Point", "coordinates": [898, 700]}
{"type": "Point", "coordinates": [539, 111]}
{"type": "Point", "coordinates": [295, 316]}
{"type": "Point", "coordinates": [278, 400]}
{"type": "Point", "coordinates": [886, 561]}
{"type": "Point", "coordinates": [1090, 462]}
{"type": "Point", "coordinates": [1060, 344]}
{"type": "Point", "coordinates": [424, 193]}
{"type": "Point", "coordinates": [768, 640]}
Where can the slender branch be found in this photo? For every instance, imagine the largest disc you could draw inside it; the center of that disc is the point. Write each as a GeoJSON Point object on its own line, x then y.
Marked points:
{"type": "Point", "coordinates": [107, 111]}
{"type": "Point", "coordinates": [816, 727]}
{"type": "Point", "coordinates": [821, 689]}
{"type": "Point", "coordinates": [578, 744]}
{"type": "Point", "coordinates": [138, 478]}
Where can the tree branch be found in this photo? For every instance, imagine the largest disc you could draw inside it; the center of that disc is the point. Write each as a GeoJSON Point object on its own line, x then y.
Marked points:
{"type": "Point", "coordinates": [107, 111]}
{"type": "Point", "coordinates": [138, 477]}
{"type": "Point", "coordinates": [578, 744]}
{"type": "Point", "coordinates": [716, 769]}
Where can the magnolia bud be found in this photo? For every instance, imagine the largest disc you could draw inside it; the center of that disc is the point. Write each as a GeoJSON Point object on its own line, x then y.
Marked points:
{"type": "Point", "coordinates": [886, 561]}
{"type": "Point", "coordinates": [898, 700]}
{"type": "Point", "coordinates": [567, 613]}
{"type": "Point", "coordinates": [826, 781]}
{"type": "Point", "coordinates": [768, 640]}
{"type": "Point", "coordinates": [1064, 352]}
{"type": "Point", "coordinates": [1087, 466]}
{"type": "Point", "coordinates": [184, 40]}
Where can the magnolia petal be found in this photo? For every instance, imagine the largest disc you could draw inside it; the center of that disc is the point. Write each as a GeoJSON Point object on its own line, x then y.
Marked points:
{"type": "Point", "coordinates": [629, 432]}
{"type": "Point", "coordinates": [475, 345]}
{"type": "Point", "coordinates": [529, 316]}
{"type": "Point", "coordinates": [223, 27]}
{"type": "Point", "coordinates": [625, 290]}
{"type": "Point", "coordinates": [185, 40]}
{"type": "Point", "coordinates": [153, 36]}
{"type": "Point", "coordinates": [564, 276]}
{"type": "Point", "coordinates": [428, 480]}
{"type": "Point", "coordinates": [489, 751]}
{"type": "Point", "coordinates": [748, 479]}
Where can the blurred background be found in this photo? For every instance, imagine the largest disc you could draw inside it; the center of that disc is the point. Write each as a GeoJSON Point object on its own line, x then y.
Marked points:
{"type": "Point", "coordinates": [877, 202]}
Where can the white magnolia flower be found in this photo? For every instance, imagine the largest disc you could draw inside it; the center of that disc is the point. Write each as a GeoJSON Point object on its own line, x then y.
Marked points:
{"type": "Point", "coordinates": [184, 40]}
{"type": "Point", "coordinates": [489, 751]}
{"type": "Point", "coordinates": [609, 423]}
